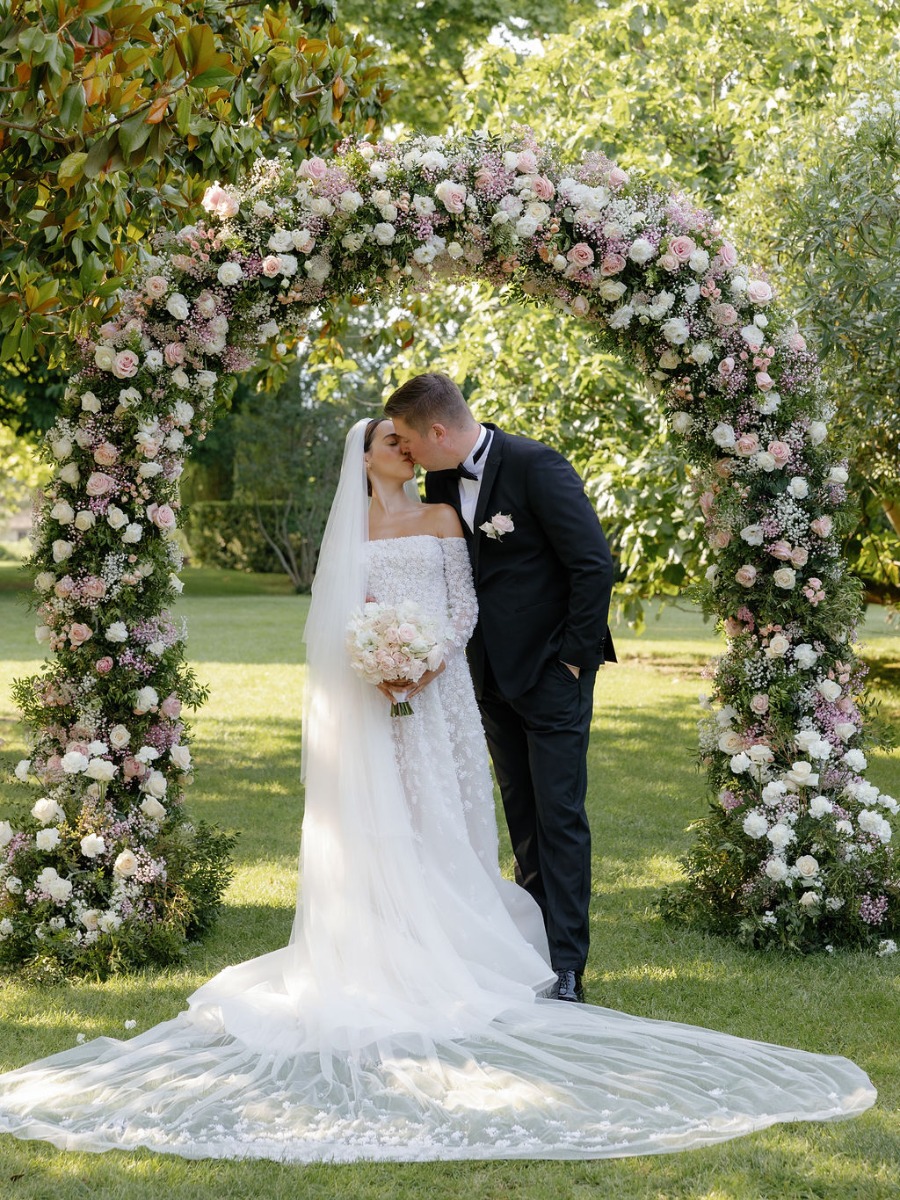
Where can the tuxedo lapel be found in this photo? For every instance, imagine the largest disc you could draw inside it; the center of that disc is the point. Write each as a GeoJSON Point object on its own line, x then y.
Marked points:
{"type": "Point", "coordinates": [491, 466]}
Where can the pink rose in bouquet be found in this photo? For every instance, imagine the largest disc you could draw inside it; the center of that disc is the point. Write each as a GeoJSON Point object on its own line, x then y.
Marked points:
{"type": "Point", "coordinates": [390, 644]}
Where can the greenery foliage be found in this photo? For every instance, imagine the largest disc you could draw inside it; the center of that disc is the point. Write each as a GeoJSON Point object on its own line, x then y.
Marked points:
{"type": "Point", "coordinates": [839, 241]}
{"type": "Point", "coordinates": [114, 118]}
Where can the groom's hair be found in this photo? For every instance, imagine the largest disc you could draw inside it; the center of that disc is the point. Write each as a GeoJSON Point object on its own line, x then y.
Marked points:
{"type": "Point", "coordinates": [429, 399]}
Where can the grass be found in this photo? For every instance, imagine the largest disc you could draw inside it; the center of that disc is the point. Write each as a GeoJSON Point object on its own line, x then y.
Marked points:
{"type": "Point", "coordinates": [245, 639]}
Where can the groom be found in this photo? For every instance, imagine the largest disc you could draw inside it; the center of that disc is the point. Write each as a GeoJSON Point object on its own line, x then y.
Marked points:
{"type": "Point", "coordinates": [543, 575]}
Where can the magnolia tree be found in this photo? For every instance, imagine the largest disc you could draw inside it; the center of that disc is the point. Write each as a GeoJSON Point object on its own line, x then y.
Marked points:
{"type": "Point", "coordinates": [797, 847]}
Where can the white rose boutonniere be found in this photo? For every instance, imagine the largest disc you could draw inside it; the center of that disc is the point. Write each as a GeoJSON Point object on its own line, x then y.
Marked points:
{"type": "Point", "coordinates": [499, 525]}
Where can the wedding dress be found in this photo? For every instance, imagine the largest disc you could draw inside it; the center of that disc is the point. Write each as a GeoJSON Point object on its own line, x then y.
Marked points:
{"type": "Point", "coordinates": [404, 1019]}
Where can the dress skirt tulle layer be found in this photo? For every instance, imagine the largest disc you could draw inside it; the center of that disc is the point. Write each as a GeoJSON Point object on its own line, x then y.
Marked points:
{"type": "Point", "coordinates": [542, 1080]}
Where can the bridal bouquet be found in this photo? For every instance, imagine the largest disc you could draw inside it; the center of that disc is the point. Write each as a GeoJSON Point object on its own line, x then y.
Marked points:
{"type": "Point", "coordinates": [396, 645]}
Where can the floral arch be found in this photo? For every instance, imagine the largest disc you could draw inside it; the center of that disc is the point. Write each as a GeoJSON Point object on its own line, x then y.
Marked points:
{"type": "Point", "coordinates": [102, 866]}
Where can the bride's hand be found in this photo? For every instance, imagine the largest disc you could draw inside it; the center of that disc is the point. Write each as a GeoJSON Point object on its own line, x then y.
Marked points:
{"type": "Point", "coordinates": [427, 678]}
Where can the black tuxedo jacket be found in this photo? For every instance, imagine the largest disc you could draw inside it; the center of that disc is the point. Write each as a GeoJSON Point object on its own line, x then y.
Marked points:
{"type": "Point", "coordinates": [543, 589]}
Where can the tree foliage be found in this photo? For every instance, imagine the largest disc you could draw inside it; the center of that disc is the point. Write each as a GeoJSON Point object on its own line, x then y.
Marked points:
{"type": "Point", "coordinates": [839, 243]}
{"type": "Point", "coordinates": [115, 117]}
{"type": "Point", "coordinates": [708, 94]}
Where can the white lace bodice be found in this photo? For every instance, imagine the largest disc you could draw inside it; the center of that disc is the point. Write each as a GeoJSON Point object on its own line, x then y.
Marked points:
{"type": "Point", "coordinates": [435, 572]}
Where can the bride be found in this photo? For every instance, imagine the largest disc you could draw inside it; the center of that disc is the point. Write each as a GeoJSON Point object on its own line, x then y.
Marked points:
{"type": "Point", "coordinates": [404, 1020]}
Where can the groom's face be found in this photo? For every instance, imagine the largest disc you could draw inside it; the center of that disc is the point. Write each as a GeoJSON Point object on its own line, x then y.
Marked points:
{"type": "Point", "coordinates": [431, 449]}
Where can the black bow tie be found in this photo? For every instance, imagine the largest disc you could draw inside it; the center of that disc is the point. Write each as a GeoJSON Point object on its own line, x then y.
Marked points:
{"type": "Point", "coordinates": [463, 472]}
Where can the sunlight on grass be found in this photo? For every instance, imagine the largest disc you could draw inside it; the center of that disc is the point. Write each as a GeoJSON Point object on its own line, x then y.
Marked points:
{"type": "Point", "coordinates": [246, 643]}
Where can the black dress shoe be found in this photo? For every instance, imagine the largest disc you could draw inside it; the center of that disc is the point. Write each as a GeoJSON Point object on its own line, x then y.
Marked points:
{"type": "Point", "coordinates": [568, 987]}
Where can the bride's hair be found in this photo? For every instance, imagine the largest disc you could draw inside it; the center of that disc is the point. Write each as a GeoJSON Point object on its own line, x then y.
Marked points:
{"type": "Point", "coordinates": [367, 442]}
{"type": "Point", "coordinates": [426, 399]}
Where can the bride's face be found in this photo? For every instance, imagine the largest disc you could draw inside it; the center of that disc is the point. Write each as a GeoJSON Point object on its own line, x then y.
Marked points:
{"type": "Point", "coordinates": [385, 458]}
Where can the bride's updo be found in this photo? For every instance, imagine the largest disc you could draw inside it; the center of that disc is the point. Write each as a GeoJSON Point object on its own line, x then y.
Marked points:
{"type": "Point", "coordinates": [367, 442]}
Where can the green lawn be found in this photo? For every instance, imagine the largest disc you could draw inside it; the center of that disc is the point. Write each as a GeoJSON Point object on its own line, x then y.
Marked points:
{"type": "Point", "coordinates": [245, 638]}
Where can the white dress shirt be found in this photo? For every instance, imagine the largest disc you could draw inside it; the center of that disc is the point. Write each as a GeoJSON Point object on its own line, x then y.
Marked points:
{"type": "Point", "coordinates": [469, 488]}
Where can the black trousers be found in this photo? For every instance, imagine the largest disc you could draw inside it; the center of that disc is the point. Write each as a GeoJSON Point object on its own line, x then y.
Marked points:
{"type": "Point", "coordinates": [538, 744]}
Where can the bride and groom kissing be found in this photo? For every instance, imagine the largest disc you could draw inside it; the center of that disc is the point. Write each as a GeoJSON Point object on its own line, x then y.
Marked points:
{"type": "Point", "coordinates": [412, 1016]}
{"type": "Point", "coordinates": [543, 576]}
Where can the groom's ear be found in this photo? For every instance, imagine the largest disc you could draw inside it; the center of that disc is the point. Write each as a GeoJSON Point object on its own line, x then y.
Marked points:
{"type": "Point", "coordinates": [439, 432]}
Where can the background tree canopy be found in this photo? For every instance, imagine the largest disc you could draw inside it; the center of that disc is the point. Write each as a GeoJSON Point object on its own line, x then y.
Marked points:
{"type": "Point", "coordinates": [147, 103]}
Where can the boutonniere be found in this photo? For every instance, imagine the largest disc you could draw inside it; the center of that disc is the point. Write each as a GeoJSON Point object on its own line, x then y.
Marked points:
{"type": "Point", "coordinates": [497, 526]}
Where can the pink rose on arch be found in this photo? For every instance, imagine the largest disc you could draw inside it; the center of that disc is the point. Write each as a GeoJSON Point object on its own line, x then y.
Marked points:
{"type": "Point", "coordinates": [617, 177]}
{"type": "Point", "coordinates": [707, 500]}
{"type": "Point", "coordinates": [99, 483]}
{"type": "Point", "coordinates": [106, 454]}
{"type": "Point", "coordinates": [682, 247]}
{"type": "Point", "coordinates": [781, 550]}
{"type": "Point", "coordinates": [171, 707]}
{"type": "Point", "coordinates": [747, 444]}
{"type": "Point", "coordinates": [79, 633]}
{"type": "Point", "coordinates": [162, 516]}
{"type": "Point", "coordinates": [724, 468]}
{"type": "Point", "coordinates": [723, 314]}
{"type": "Point", "coordinates": [452, 195]}
{"type": "Point", "coordinates": [206, 305]}
{"type": "Point", "coordinates": [668, 262]}
{"type": "Point", "coordinates": [580, 306]}
{"type": "Point", "coordinates": [797, 342]}
{"type": "Point", "coordinates": [764, 381]}
{"type": "Point", "coordinates": [156, 286]}
{"type": "Point", "coordinates": [94, 587]}
{"type": "Point", "coordinates": [733, 627]}
{"type": "Point", "coordinates": [126, 364]}
{"type": "Point", "coordinates": [271, 266]}
{"type": "Point", "coordinates": [527, 162]}
{"type": "Point", "coordinates": [612, 264]}
{"type": "Point", "coordinates": [759, 704]}
{"type": "Point", "coordinates": [759, 292]}
{"type": "Point", "coordinates": [53, 766]}
{"type": "Point", "coordinates": [728, 255]}
{"type": "Point", "coordinates": [543, 188]}
{"type": "Point", "coordinates": [799, 556]}
{"type": "Point", "coordinates": [719, 539]}
{"type": "Point", "coordinates": [132, 769]}
{"type": "Point", "coordinates": [581, 255]}
{"type": "Point", "coordinates": [174, 354]}
{"type": "Point", "coordinates": [313, 168]}
{"type": "Point", "coordinates": [822, 526]}
{"type": "Point", "coordinates": [220, 202]}
{"type": "Point", "coordinates": [104, 665]}
{"type": "Point", "coordinates": [746, 575]}
{"type": "Point", "coordinates": [484, 177]}
{"type": "Point", "coordinates": [64, 587]}
{"type": "Point", "coordinates": [780, 451]}
{"type": "Point", "coordinates": [726, 367]}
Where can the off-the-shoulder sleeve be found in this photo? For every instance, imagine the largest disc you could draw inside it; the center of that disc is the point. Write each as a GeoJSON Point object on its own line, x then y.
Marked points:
{"type": "Point", "coordinates": [461, 602]}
